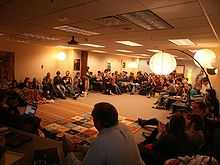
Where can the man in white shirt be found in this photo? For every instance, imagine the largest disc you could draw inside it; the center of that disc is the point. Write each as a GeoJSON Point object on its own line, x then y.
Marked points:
{"type": "Point", "coordinates": [114, 144]}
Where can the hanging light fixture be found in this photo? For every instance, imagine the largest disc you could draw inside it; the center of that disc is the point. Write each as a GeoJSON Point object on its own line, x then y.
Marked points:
{"type": "Point", "coordinates": [205, 57]}
{"type": "Point", "coordinates": [162, 63]}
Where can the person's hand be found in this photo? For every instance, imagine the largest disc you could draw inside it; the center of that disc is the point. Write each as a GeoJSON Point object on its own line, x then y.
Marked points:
{"type": "Point", "coordinates": [68, 145]}
{"type": "Point", "coordinates": [161, 128]}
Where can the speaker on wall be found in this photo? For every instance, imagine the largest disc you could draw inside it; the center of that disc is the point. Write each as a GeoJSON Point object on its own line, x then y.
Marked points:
{"type": "Point", "coordinates": [212, 71]}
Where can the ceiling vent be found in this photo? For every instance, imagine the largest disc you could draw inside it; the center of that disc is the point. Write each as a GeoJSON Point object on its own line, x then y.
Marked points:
{"type": "Point", "coordinates": [111, 21]}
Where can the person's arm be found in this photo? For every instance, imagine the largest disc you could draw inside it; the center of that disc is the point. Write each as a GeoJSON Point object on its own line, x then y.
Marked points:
{"type": "Point", "coordinates": [95, 155]}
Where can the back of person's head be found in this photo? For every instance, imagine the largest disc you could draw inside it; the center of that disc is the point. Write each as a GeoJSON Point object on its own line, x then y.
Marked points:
{"type": "Point", "coordinates": [197, 122]}
{"type": "Point", "coordinates": [177, 125]}
{"type": "Point", "coordinates": [106, 114]}
{"type": "Point", "coordinates": [211, 93]}
{"type": "Point", "coordinates": [58, 73]}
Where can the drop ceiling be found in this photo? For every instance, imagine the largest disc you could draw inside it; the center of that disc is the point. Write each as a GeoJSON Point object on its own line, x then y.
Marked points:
{"type": "Point", "coordinates": [39, 17]}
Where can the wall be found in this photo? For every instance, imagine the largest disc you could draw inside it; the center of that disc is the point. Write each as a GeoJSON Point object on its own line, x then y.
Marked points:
{"type": "Point", "coordinates": [98, 61]}
{"type": "Point", "coordinates": [215, 79]}
{"type": "Point", "coordinates": [29, 58]}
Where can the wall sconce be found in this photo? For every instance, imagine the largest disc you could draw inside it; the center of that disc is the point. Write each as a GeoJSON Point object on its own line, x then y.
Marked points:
{"type": "Point", "coordinates": [212, 71]}
{"type": "Point", "coordinates": [61, 56]}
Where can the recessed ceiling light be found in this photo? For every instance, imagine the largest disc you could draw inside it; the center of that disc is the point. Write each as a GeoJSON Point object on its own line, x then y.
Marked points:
{"type": "Point", "coordinates": [182, 42]}
{"type": "Point", "coordinates": [65, 47]}
{"type": "Point", "coordinates": [71, 29]}
{"type": "Point", "coordinates": [146, 55]}
{"type": "Point", "coordinates": [193, 50]}
{"type": "Point", "coordinates": [98, 51]}
{"type": "Point", "coordinates": [125, 51]}
{"type": "Point", "coordinates": [40, 37]}
{"type": "Point", "coordinates": [154, 50]}
{"type": "Point", "coordinates": [129, 43]}
{"type": "Point", "coordinates": [93, 45]}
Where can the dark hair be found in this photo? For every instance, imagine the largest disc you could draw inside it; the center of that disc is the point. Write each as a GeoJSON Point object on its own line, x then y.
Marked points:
{"type": "Point", "coordinates": [197, 121]}
{"type": "Point", "coordinates": [106, 113]}
{"type": "Point", "coordinates": [177, 126]}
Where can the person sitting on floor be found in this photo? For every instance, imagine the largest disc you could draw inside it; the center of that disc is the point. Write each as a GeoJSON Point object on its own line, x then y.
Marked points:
{"type": "Point", "coordinates": [171, 141]}
{"type": "Point", "coordinates": [48, 89]}
{"type": "Point", "coordinates": [58, 83]}
{"type": "Point", "coordinates": [115, 86]}
{"type": "Point", "coordinates": [114, 144]}
{"type": "Point", "coordinates": [67, 80]}
{"type": "Point", "coordinates": [77, 85]}
{"type": "Point", "coordinates": [12, 114]}
{"type": "Point", "coordinates": [195, 132]}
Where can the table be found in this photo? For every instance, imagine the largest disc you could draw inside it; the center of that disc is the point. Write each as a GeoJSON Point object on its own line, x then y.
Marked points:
{"type": "Point", "coordinates": [37, 143]}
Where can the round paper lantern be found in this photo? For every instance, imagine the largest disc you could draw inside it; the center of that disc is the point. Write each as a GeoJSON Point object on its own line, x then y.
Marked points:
{"type": "Point", "coordinates": [162, 63]}
{"type": "Point", "coordinates": [205, 57]}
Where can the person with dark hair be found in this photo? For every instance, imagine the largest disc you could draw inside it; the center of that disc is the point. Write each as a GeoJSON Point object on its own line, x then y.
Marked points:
{"type": "Point", "coordinates": [77, 85]}
{"type": "Point", "coordinates": [48, 88]}
{"type": "Point", "coordinates": [174, 142]}
{"type": "Point", "coordinates": [212, 101]}
{"type": "Point", "coordinates": [195, 131]}
{"type": "Point", "coordinates": [58, 83]}
{"type": "Point", "coordinates": [114, 144]}
{"type": "Point", "coordinates": [68, 83]}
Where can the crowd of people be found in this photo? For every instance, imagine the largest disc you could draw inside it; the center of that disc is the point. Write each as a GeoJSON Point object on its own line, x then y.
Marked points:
{"type": "Point", "coordinates": [187, 132]}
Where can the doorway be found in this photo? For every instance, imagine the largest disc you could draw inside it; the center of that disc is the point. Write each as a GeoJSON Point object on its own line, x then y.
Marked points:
{"type": "Point", "coordinates": [7, 66]}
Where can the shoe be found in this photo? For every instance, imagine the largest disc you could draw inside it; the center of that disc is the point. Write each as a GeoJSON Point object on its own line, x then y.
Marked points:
{"type": "Point", "coordinates": [144, 135]}
{"type": "Point", "coordinates": [156, 103]}
{"type": "Point", "coordinates": [63, 97]}
{"type": "Point", "coordinates": [140, 122]}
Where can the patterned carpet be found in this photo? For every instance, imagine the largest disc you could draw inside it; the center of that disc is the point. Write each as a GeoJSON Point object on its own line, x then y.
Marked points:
{"type": "Point", "coordinates": [131, 106]}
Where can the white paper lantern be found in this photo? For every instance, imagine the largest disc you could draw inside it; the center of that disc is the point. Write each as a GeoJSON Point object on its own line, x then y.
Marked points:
{"type": "Point", "coordinates": [162, 63]}
{"type": "Point", "coordinates": [205, 57]}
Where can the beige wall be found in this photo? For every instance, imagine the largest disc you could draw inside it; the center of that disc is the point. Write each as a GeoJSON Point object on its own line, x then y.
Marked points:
{"type": "Point", "coordinates": [29, 58]}
{"type": "Point", "coordinates": [98, 61]}
{"type": "Point", "coordinates": [215, 79]}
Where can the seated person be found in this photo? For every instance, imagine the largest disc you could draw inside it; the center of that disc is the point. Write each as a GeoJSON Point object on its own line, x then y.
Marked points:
{"type": "Point", "coordinates": [195, 131]}
{"type": "Point", "coordinates": [11, 114]}
{"type": "Point", "coordinates": [98, 82]}
{"type": "Point", "coordinates": [35, 84]}
{"type": "Point", "coordinates": [212, 101]}
{"type": "Point", "coordinates": [115, 87]}
{"type": "Point", "coordinates": [171, 141]}
{"type": "Point", "coordinates": [58, 83]}
{"type": "Point", "coordinates": [48, 89]}
{"type": "Point", "coordinates": [67, 80]}
{"type": "Point", "coordinates": [77, 85]}
{"type": "Point", "coordinates": [114, 144]}
{"type": "Point", "coordinates": [27, 82]}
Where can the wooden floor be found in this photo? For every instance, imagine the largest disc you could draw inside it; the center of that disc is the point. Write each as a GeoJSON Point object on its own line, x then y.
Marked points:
{"type": "Point", "coordinates": [132, 106]}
